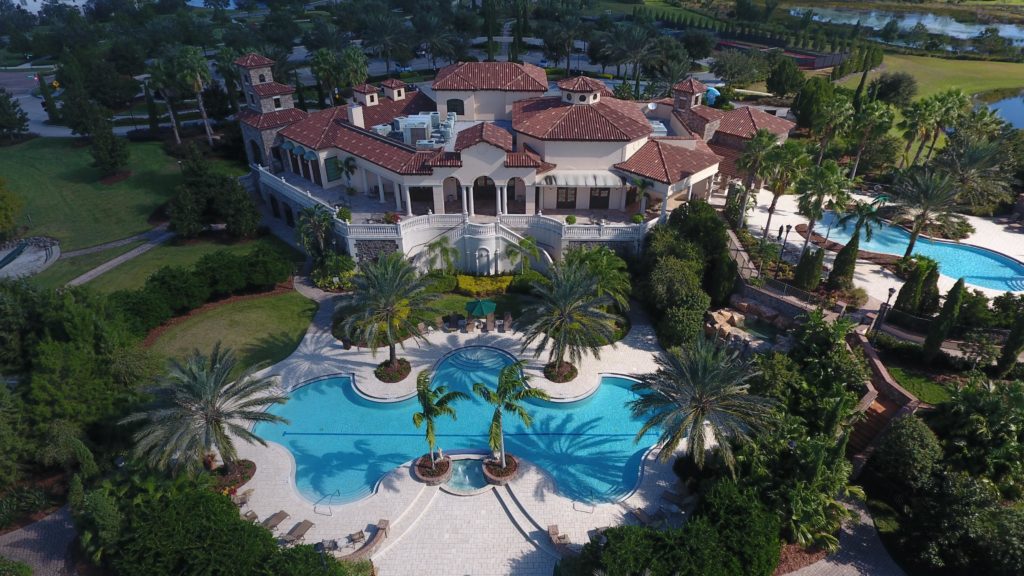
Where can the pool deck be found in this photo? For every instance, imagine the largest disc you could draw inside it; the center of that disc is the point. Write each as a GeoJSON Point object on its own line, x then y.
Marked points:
{"type": "Point", "coordinates": [874, 279]}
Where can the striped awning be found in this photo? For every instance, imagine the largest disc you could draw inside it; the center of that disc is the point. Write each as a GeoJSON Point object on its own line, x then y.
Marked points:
{"type": "Point", "coordinates": [589, 178]}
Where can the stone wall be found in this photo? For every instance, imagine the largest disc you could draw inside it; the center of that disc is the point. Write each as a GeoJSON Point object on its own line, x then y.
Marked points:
{"type": "Point", "coordinates": [368, 250]}
{"type": "Point", "coordinates": [766, 298]}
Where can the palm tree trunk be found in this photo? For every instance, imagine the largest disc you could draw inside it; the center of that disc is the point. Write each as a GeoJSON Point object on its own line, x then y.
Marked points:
{"type": "Point", "coordinates": [931, 148]}
{"type": "Point", "coordinates": [771, 212]}
{"type": "Point", "coordinates": [856, 161]}
{"type": "Point", "coordinates": [807, 239]}
{"type": "Point", "coordinates": [914, 233]}
{"type": "Point", "coordinates": [906, 150]}
{"type": "Point", "coordinates": [202, 112]}
{"type": "Point", "coordinates": [636, 80]}
{"type": "Point", "coordinates": [502, 431]}
{"type": "Point", "coordinates": [392, 355]}
{"type": "Point", "coordinates": [920, 148]}
{"type": "Point", "coordinates": [824, 146]}
{"type": "Point", "coordinates": [174, 119]}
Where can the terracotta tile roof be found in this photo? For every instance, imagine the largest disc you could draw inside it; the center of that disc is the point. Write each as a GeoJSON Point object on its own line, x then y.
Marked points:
{"type": "Point", "coordinates": [365, 89]}
{"type": "Point", "coordinates": [584, 84]}
{"type": "Point", "coordinates": [253, 60]}
{"type": "Point", "coordinates": [527, 158]}
{"type": "Point", "coordinates": [729, 157]}
{"type": "Point", "coordinates": [317, 130]}
{"type": "Point", "coordinates": [743, 122]}
{"type": "Point", "coordinates": [445, 159]}
{"type": "Point", "coordinates": [708, 113]}
{"type": "Point", "coordinates": [484, 132]}
{"type": "Point", "coordinates": [270, 119]}
{"type": "Point", "coordinates": [269, 89]}
{"type": "Point", "coordinates": [669, 163]}
{"type": "Point", "coordinates": [690, 86]}
{"type": "Point", "coordinates": [393, 83]}
{"type": "Point", "coordinates": [387, 110]}
{"type": "Point", "coordinates": [607, 120]}
{"type": "Point", "coordinates": [503, 76]}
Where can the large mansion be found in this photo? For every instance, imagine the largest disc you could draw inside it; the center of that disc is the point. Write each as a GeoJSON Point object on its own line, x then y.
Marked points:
{"type": "Point", "coordinates": [496, 154]}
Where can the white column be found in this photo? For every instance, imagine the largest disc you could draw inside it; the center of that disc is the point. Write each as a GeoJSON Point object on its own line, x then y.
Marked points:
{"type": "Point", "coordinates": [438, 199]}
{"type": "Point", "coordinates": [504, 198]}
{"type": "Point", "coordinates": [366, 183]}
{"type": "Point", "coordinates": [398, 197]}
{"type": "Point", "coordinates": [408, 199]}
{"type": "Point", "coordinates": [664, 206]}
{"type": "Point", "coordinates": [499, 193]}
{"type": "Point", "coordinates": [689, 193]}
{"type": "Point", "coordinates": [380, 188]}
{"type": "Point", "coordinates": [465, 202]}
{"type": "Point", "coordinates": [472, 208]}
{"type": "Point", "coordinates": [531, 197]}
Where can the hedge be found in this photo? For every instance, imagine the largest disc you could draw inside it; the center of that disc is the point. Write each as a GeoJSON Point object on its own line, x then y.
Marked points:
{"type": "Point", "coordinates": [482, 285]}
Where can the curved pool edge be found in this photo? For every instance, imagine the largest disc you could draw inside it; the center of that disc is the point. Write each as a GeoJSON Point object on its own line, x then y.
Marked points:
{"type": "Point", "coordinates": [366, 395]}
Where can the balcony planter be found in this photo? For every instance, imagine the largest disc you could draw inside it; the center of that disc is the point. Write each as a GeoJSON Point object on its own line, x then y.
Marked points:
{"type": "Point", "coordinates": [496, 475]}
{"type": "Point", "coordinates": [439, 474]}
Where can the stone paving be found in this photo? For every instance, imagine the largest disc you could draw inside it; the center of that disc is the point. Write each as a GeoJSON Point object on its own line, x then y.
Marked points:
{"type": "Point", "coordinates": [42, 545]}
{"type": "Point", "coordinates": [861, 552]}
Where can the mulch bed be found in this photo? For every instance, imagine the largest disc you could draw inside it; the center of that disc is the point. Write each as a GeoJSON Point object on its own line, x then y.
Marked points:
{"type": "Point", "coordinates": [794, 558]}
{"type": "Point", "coordinates": [889, 261]}
{"type": "Point", "coordinates": [114, 179]}
{"type": "Point", "coordinates": [424, 469]}
{"type": "Point", "coordinates": [228, 482]}
{"type": "Point", "coordinates": [386, 372]}
{"type": "Point", "coordinates": [566, 373]}
{"type": "Point", "coordinates": [155, 333]}
{"type": "Point", "coordinates": [495, 469]}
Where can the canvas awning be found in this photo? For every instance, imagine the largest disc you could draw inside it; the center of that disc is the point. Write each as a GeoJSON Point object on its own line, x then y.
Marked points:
{"type": "Point", "coordinates": [589, 178]}
{"type": "Point", "coordinates": [287, 145]}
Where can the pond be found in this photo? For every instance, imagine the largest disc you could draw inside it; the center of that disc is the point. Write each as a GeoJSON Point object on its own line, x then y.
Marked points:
{"type": "Point", "coordinates": [935, 24]}
{"type": "Point", "coordinates": [1010, 109]}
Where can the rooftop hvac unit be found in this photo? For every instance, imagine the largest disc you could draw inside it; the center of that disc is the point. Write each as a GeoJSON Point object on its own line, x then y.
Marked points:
{"type": "Point", "coordinates": [398, 124]}
{"type": "Point", "coordinates": [382, 129]}
{"type": "Point", "coordinates": [416, 129]}
{"type": "Point", "coordinates": [452, 117]}
{"type": "Point", "coordinates": [426, 144]}
{"type": "Point", "coordinates": [435, 119]}
{"type": "Point", "coordinates": [658, 128]}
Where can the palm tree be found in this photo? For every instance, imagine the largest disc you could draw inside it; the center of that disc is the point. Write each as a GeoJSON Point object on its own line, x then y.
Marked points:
{"type": "Point", "coordinates": [642, 186]}
{"type": "Point", "coordinates": [925, 197]}
{"type": "Point", "coordinates": [325, 66]}
{"type": "Point", "coordinates": [194, 72]}
{"type": "Point", "coordinates": [569, 318]}
{"type": "Point", "coordinates": [386, 34]}
{"type": "Point", "coordinates": [873, 121]}
{"type": "Point", "coordinates": [441, 255]}
{"type": "Point", "coordinates": [390, 301]}
{"type": "Point", "coordinates": [783, 166]}
{"type": "Point", "coordinates": [512, 390]}
{"type": "Point", "coordinates": [608, 268]}
{"type": "Point", "coordinates": [198, 408]}
{"type": "Point", "coordinates": [348, 168]}
{"type": "Point", "coordinates": [697, 390]}
{"type": "Point", "coordinates": [434, 403]}
{"type": "Point", "coordinates": [353, 65]}
{"type": "Point", "coordinates": [915, 122]}
{"type": "Point", "coordinates": [836, 116]}
{"type": "Point", "coordinates": [162, 77]}
{"type": "Point", "coordinates": [639, 47]}
{"type": "Point", "coordinates": [865, 217]}
{"type": "Point", "coordinates": [980, 170]}
{"type": "Point", "coordinates": [224, 62]}
{"type": "Point", "coordinates": [522, 252]}
{"type": "Point", "coordinates": [315, 227]}
{"type": "Point", "coordinates": [752, 162]}
{"type": "Point", "coordinates": [816, 188]}
{"type": "Point", "coordinates": [952, 104]}
{"type": "Point", "coordinates": [931, 118]}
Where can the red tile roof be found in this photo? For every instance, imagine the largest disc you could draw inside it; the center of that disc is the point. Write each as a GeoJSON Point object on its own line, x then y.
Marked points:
{"type": "Point", "coordinates": [387, 110]}
{"type": "Point", "coordinates": [708, 113]}
{"type": "Point", "coordinates": [743, 122]}
{"type": "Point", "coordinates": [365, 89]}
{"type": "Point", "coordinates": [483, 132]}
{"type": "Point", "coordinates": [669, 163]}
{"type": "Point", "coordinates": [690, 86]}
{"type": "Point", "coordinates": [317, 130]}
{"type": "Point", "coordinates": [503, 76]}
{"type": "Point", "coordinates": [729, 157]}
{"type": "Point", "coordinates": [607, 120]}
{"type": "Point", "coordinates": [269, 89]}
{"type": "Point", "coordinates": [527, 158]}
{"type": "Point", "coordinates": [445, 159]}
{"type": "Point", "coordinates": [270, 119]}
{"type": "Point", "coordinates": [393, 83]}
{"type": "Point", "coordinates": [253, 60]}
{"type": "Point", "coordinates": [584, 84]}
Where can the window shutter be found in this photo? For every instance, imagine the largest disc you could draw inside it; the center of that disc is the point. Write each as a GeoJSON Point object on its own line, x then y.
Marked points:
{"type": "Point", "coordinates": [333, 167]}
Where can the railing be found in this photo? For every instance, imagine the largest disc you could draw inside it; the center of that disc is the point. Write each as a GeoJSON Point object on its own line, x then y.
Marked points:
{"type": "Point", "coordinates": [431, 221]}
{"type": "Point", "coordinates": [604, 232]}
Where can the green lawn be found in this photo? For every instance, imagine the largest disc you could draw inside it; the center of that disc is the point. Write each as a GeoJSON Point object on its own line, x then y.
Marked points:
{"type": "Point", "coordinates": [63, 196]}
{"type": "Point", "coordinates": [133, 273]}
{"type": "Point", "coordinates": [263, 329]}
{"type": "Point", "coordinates": [66, 269]}
{"type": "Point", "coordinates": [656, 6]}
{"type": "Point", "coordinates": [937, 74]}
{"type": "Point", "coordinates": [920, 385]}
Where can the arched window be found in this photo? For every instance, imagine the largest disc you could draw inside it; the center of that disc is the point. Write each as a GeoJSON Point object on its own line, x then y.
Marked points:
{"type": "Point", "coordinates": [456, 105]}
{"type": "Point", "coordinates": [263, 78]}
{"type": "Point", "coordinates": [583, 97]}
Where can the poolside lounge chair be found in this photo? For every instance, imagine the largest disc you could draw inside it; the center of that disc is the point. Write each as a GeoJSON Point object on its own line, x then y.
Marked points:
{"type": "Point", "coordinates": [470, 326]}
{"type": "Point", "coordinates": [649, 520]}
{"type": "Point", "coordinates": [357, 537]}
{"type": "Point", "coordinates": [243, 498]}
{"type": "Point", "coordinates": [490, 322]}
{"type": "Point", "coordinates": [557, 537]}
{"type": "Point", "coordinates": [597, 535]}
{"type": "Point", "coordinates": [274, 521]}
{"type": "Point", "coordinates": [251, 516]}
{"type": "Point", "coordinates": [508, 322]}
{"type": "Point", "coordinates": [677, 499]}
{"type": "Point", "coordinates": [297, 533]}
{"type": "Point", "coordinates": [326, 546]}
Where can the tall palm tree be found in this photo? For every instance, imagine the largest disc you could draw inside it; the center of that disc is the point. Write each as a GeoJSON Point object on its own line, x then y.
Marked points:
{"type": "Point", "coordinates": [637, 42]}
{"type": "Point", "coordinates": [818, 185]}
{"type": "Point", "coordinates": [199, 407]}
{"type": "Point", "coordinates": [389, 303]}
{"type": "Point", "coordinates": [569, 318]}
{"type": "Point", "coordinates": [864, 217]}
{"type": "Point", "coordinates": [782, 167]}
{"type": "Point", "coordinates": [835, 117]}
{"type": "Point", "coordinates": [194, 72]}
{"type": "Point", "coordinates": [931, 117]}
{"type": "Point", "coordinates": [980, 170]}
{"type": "Point", "coordinates": [163, 78]}
{"type": "Point", "coordinates": [642, 186]}
{"type": "Point", "coordinates": [224, 62]}
{"type": "Point", "coordinates": [441, 255]}
{"type": "Point", "coordinates": [386, 34]}
{"type": "Point", "coordinates": [522, 252]}
{"type": "Point", "coordinates": [434, 403]}
{"type": "Point", "coordinates": [608, 268]}
{"type": "Point", "coordinates": [354, 66]}
{"type": "Point", "coordinates": [697, 390]}
{"type": "Point", "coordinates": [925, 197]}
{"type": "Point", "coordinates": [752, 161]}
{"type": "Point", "coordinates": [873, 121]}
{"type": "Point", "coordinates": [325, 66]}
{"type": "Point", "coordinates": [915, 123]}
{"type": "Point", "coordinates": [951, 104]}
{"type": "Point", "coordinates": [315, 227]}
{"type": "Point", "coordinates": [507, 398]}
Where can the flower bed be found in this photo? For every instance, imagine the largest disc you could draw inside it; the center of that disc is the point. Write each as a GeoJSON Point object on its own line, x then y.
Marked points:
{"type": "Point", "coordinates": [565, 372]}
{"type": "Point", "coordinates": [434, 475]}
{"type": "Point", "coordinates": [227, 481]}
{"type": "Point", "coordinates": [391, 373]}
{"type": "Point", "coordinates": [499, 476]}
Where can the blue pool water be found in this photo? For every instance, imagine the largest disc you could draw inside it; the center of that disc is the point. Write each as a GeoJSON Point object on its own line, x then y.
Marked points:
{"type": "Point", "coordinates": [467, 475]}
{"type": "Point", "coordinates": [344, 444]}
{"type": "Point", "coordinates": [977, 266]}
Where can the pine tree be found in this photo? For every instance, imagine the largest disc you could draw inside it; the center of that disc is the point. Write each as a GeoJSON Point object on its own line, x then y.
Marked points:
{"type": "Point", "coordinates": [1012, 348]}
{"type": "Point", "coordinates": [909, 298]}
{"type": "Point", "coordinates": [841, 276]}
{"type": "Point", "coordinates": [942, 325]}
{"type": "Point", "coordinates": [807, 275]}
{"type": "Point", "coordinates": [154, 116]}
{"type": "Point", "coordinates": [44, 90]}
{"type": "Point", "coordinates": [109, 152]}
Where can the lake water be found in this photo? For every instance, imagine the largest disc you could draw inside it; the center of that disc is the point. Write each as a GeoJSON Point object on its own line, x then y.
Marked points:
{"type": "Point", "coordinates": [1011, 109]}
{"type": "Point", "coordinates": [877, 19]}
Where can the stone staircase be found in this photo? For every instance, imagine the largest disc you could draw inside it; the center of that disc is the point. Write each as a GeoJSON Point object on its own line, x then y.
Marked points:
{"type": "Point", "coordinates": [875, 420]}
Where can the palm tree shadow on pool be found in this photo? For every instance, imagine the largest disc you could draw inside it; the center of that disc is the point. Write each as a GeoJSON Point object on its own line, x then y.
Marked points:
{"type": "Point", "coordinates": [319, 468]}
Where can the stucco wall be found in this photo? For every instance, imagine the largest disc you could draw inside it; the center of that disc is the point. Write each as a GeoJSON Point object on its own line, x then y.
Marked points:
{"type": "Point", "coordinates": [482, 104]}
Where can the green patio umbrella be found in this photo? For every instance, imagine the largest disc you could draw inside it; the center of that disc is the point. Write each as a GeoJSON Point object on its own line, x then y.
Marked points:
{"type": "Point", "coordinates": [480, 308]}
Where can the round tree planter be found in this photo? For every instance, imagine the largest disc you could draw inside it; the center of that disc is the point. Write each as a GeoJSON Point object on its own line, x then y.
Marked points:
{"type": "Point", "coordinates": [509, 474]}
{"type": "Point", "coordinates": [422, 472]}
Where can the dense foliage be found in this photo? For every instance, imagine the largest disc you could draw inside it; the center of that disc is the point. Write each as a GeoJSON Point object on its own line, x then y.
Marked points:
{"type": "Point", "coordinates": [207, 198]}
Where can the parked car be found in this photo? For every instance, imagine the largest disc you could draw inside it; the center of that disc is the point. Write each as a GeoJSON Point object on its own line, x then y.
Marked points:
{"type": "Point", "coordinates": [544, 63]}
{"type": "Point", "coordinates": [403, 68]}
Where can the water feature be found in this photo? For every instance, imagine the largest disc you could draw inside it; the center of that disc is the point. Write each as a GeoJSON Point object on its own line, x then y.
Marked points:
{"type": "Point", "coordinates": [467, 476]}
{"type": "Point", "coordinates": [978, 266]}
{"type": "Point", "coordinates": [1010, 109]}
{"type": "Point", "coordinates": [935, 24]}
{"type": "Point", "coordinates": [346, 443]}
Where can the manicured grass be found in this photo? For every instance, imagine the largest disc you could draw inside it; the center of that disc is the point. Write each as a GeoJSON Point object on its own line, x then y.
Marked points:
{"type": "Point", "coordinates": [937, 74]}
{"type": "Point", "coordinates": [64, 198]}
{"type": "Point", "coordinates": [920, 385]}
{"type": "Point", "coordinates": [511, 303]}
{"type": "Point", "coordinates": [133, 273]}
{"type": "Point", "coordinates": [67, 269]}
{"type": "Point", "coordinates": [265, 329]}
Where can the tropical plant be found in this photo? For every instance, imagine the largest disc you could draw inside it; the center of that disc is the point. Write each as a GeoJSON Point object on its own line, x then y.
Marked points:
{"type": "Point", "coordinates": [1012, 347]}
{"type": "Point", "coordinates": [163, 78]}
{"type": "Point", "coordinates": [389, 303]}
{"type": "Point", "coordinates": [441, 255]}
{"type": "Point", "coordinates": [569, 318]}
{"type": "Point", "coordinates": [981, 170]}
{"type": "Point", "coordinates": [697, 392]}
{"type": "Point", "coordinates": [835, 117]}
{"type": "Point", "coordinates": [869, 124]}
{"type": "Point", "coordinates": [642, 186]}
{"type": "Point", "coordinates": [864, 216]}
{"type": "Point", "coordinates": [818, 185]}
{"type": "Point", "coordinates": [610, 270]}
{"type": "Point", "coordinates": [783, 165]}
{"type": "Point", "coordinates": [193, 72]}
{"type": "Point", "coordinates": [917, 118]}
{"type": "Point", "coordinates": [522, 252]}
{"type": "Point", "coordinates": [326, 68]}
{"type": "Point", "coordinates": [942, 325]}
{"type": "Point", "coordinates": [434, 403]}
{"type": "Point", "coordinates": [752, 162]}
{"type": "Point", "coordinates": [925, 197]}
{"type": "Point", "coordinates": [199, 407]}
{"type": "Point", "coordinates": [950, 106]}
{"type": "Point", "coordinates": [512, 391]}
{"type": "Point", "coordinates": [385, 33]}
{"type": "Point", "coordinates": [315, 227]}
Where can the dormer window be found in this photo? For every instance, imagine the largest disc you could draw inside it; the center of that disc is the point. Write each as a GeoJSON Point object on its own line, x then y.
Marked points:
{"type": "Point", "coordinates": [583, 97]}
{"type": "Point", "coordinates": [371, 98]}
{"type": "Point", "coordinates": [277, 102]}
{"type": "Point", "coordinates": [263, 78]}
{"type": "Point", "coordinates": [594, 97]}
{"type": "Point", "coordinates": [398, 93]}
{"type": "Point", "coordinates": [568, 97]}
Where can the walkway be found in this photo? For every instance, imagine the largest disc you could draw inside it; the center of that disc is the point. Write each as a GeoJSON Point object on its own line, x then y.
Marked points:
{"type": "Point", "coordinates": [160, 238]}
{"type": "Point", "coordinates": [148, 235]}
{"type": "Point", "coordinates": [861, 552]}
{"type": "Point", "coordinates": [42, 545]}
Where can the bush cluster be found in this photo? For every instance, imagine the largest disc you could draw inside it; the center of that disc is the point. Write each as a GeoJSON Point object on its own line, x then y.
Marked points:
{"type": "Point", "coordinates": [21, 502]}
{"type": "Point", "coordinates": [207, 198]}
{"type": "Point", "coordinates": [524, 283]}
{"type": "Point", "coordinates": [482, 285]}
{"type": "Point", "coordinates": [174, 290]}
{"type": "Point", "coordinates": [12, 568]}
{"type": "Point", "coordinates": [438, 283]}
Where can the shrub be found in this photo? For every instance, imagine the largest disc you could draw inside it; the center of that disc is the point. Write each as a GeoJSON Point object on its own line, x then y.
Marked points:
{"type": "Point", "coordinates": [335, 272]}
{"type": "Point", "coordinates": [524, 283]}
{"type": "Point", "coordinates": [942, 325]}
{"type": "Point", "coordinates": [808, 271]}
{"type": "Point", "coordinates": [265, 268]}
{"type": "Point", "coordinates": [482, 285]}
{"type": "Point", "coordinates": [179, 287]}
{"type": "Point", "coordinates": [637, 218]}
{"type": "Point", "coordinates": [144, 309]}
{"type": "Point", "coordinates": [748, 531]}
{"type": "Point", "coordinates": [845, 264]}
{"type": "Point", "coordinates": [13, 568]}
{"type": "Point", "coordinates": [391, 217]}
{"type": "Point", "coordinates": [441, 283]}
{"type": "Point", "coordinates": [1012, 347]}
{"type": "Point", "coordinates": [672, 282]}
{"type": "Point", "coordinates": [854, 297]}
{"type": "Point", "coordinates": [388, 372]}
{"type": "Point", "coordinates": [305, 561]}
{"type": "Point", "coordinates": [720, 278]}
{"type": "Point", "coordinates": [681, 325]}
{"type": "Point", "coordinates": [907, 454]}
{"type": "Point", "coordinates": [223, 272]}
{"type": "Point", "coordinates": [570, 219]}
{"type": "Point", "coordinates": [344, 213]}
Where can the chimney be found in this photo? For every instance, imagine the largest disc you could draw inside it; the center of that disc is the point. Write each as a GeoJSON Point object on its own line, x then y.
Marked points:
{"type": "Point", "coordinates": [355, 115]}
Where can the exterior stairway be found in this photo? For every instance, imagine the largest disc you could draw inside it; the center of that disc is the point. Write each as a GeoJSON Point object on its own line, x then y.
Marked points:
{"type": "Point", "coordinates": [875, 420]}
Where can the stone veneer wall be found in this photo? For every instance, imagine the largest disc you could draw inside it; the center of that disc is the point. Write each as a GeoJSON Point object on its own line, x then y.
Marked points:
{"type": "Point", "coordinates": [367, 250]}
{"type": "Point", "coordinates": [766, 298]}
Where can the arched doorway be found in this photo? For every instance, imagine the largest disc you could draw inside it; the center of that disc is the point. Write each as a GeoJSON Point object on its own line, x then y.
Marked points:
{"type": "Point", "coordinates": [456, 105]}
{"type": "Point", "coordinates": [484, 196]}
{"type": "Point", "coordinates": [452, 189]}
{"type": "Point", "coordinates": [256, 152]}
{"type": "Point", "coordinates": [275, 207]}
{"type": "Point", "coordinates": [483, 261]}
{"type": "Point", "coordinates": [515, 195]}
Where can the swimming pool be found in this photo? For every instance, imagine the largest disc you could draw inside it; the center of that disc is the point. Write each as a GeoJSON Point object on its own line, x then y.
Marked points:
{"type": "Point", "coordinates": [344, 444]}
{"type": "Point", "coordinates": [975, 265]}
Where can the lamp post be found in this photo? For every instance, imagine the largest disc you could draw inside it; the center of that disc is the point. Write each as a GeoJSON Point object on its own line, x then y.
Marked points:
{"type": "Point", "coordinates": [882, 313]}
{"type": "Point", "coordinates": [782, 252]}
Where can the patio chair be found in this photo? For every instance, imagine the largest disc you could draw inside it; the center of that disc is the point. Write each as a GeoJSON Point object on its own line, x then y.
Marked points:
{"type": "Point", "coordinates": [470, 326]}
{"type": "Point", "coordinates": [490, 322]}
{"type": "Point", "coordinates": [243, 498]}
{"type": "Point", "coordinates": [297, 533]}
{"type": "Point", "coordinates": [557, 537]}
{"type": "Point", "coordinates": [274, 521]}
{"type": "Point", "coordinates": [674, 498]}
{"type": "Point", "coordinates": [326, 546]}
{"type": "Point", "coordinates": [508, 322]}
{"type": "Point", "coordinates": [597, 535]}
{"type": "Point", "coordinates": [251, 516]}
{"type": "Point", "coordinates": [356, 537]}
